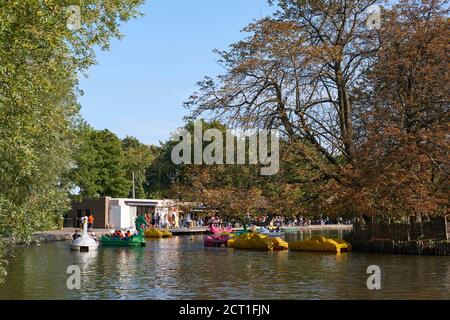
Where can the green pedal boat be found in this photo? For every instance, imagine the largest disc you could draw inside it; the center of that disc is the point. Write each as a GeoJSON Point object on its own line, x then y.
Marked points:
{"type": "Point", "coordinates": [137, 240]}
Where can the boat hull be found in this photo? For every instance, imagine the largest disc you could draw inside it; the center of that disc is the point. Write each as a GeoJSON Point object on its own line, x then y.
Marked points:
{"type": "Point", "coordinates": [157, 233]}
{"type": "Point", "coordinates": [113, 242]}
{"type": "Point", "coordinates": [257, 241]}
{"type": "Point", "coordinates": [216, 240]}
{"type": "Point", "coordinates": [83, 248]}
{"type": "Point", "coordinates": [321, 244]}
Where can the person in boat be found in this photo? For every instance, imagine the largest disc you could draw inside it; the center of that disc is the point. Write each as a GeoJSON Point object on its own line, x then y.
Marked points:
{"type": "Point", "coordinates": [118, 234]}
{"type": "Point", "coordinates": [76, 235]}
{"type": "Point", "coordinates": [127, 236]}
{"type": "Point", "coordinates": [94, 236]}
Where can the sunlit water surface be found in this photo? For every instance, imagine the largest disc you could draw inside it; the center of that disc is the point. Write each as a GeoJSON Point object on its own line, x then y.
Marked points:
{"type": "Point", "coordinates": [182, 268]}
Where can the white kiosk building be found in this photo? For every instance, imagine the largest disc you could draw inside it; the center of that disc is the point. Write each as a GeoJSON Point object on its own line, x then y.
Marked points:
{"type": "Point", "coordinates": [122, 212]}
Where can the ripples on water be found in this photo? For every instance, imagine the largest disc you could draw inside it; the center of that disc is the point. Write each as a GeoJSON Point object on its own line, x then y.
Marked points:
{"type": "Point", "coordinates": [181, 268]}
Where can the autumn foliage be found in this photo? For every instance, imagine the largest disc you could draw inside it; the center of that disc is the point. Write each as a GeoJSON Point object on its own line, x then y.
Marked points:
{"type": "Point", "coordinates": [364, 114]}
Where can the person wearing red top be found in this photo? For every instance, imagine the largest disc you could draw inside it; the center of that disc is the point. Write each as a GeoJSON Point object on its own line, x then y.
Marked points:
{"type": "Point", "coordinates": [90, 222]}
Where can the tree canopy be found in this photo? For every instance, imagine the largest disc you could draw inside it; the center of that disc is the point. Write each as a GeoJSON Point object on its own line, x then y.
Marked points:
{"type": "Point", "coordinates": [364, 110]}
{"type": "Point", "coordinates": [100, 165]}
{"type": "Point", "coordinates": [40, 60]}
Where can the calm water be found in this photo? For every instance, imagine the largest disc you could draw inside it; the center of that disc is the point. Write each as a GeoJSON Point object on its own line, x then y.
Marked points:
{"type": "Point", "coordinates": [181, 268]}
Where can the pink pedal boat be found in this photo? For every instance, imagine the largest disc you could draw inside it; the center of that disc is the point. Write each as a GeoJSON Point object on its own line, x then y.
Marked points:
{"type": "Point", "coordinates": [214, 229]}
{"type": "Point", "coordinates": [216, 240]}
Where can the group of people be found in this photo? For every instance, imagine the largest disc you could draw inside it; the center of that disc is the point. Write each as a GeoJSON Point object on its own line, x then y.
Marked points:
{"type": "Point", "coordinates": [90, 221]}
{"type": "Point", "coordinates": [188, 222]}
{"type": "Point", "coordinates": [118, 234]}
{"type": "Point", "coordinates": [157, 221]}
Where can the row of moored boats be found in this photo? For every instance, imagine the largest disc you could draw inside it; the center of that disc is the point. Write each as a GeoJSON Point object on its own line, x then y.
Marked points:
{"type": "Point", "coordinates": [265, 239]}
{"type": "Point", "coordinates": [254, 239]}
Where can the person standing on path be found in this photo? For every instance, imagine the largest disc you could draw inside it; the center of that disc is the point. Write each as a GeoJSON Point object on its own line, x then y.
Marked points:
{"type": "Point", "coordinates": [157, 220]}
{"type": "Point", "coordinates": [91, 222]}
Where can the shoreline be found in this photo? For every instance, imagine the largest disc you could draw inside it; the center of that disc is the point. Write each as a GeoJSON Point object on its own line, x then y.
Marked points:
{"type": "Point", "coordinates": [66, 233]}
{"type": "Point", "coordinates": [402, 247]}
{"type": "Point", "coordinates": [437, 248]}
{"type": "Point", "coordinates": [323, 227]}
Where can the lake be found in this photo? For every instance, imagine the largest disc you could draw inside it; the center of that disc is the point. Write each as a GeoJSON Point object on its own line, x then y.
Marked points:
{"type": "Point", "coordinates": [182, 268]}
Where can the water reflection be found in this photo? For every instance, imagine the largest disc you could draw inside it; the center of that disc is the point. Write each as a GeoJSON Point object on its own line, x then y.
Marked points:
{"type": "Point", "coordinates": [86, 260]}
{"type": "Point", "coordinates": [182, 268]}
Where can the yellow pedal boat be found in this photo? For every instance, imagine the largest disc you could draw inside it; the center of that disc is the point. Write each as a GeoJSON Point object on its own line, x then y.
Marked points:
{"type": "Point", "coordinates": [256, 241]}
{"type": "Point", "coordinates": [321, 244]}
{"type": "Point", "coordinates": [157, 233]}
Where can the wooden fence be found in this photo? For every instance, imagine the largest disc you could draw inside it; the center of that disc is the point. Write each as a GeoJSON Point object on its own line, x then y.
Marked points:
{"type": "Point", "coordinates": [435, 229]}
{"type": "Point", "coordinates": [424, 238]}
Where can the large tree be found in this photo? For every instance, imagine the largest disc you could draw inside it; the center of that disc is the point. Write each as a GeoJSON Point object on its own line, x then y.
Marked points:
{"type": "Point", "coordinates": [43, 48]}
{"type": "Point", "coordinates": [138, 157]}
{"type": "Point", "coordinates": [329, 83]}
{"type": "Point", "coordinates": [99, 169]}
{"type": "Point", "coordinates": [234, 191]}
{"type": "Point", "coordinates": [403, 159]}
{"type": "Point", "coordinates": [296, 72]}
{"type": "Point", "coordinates": [163, 174]}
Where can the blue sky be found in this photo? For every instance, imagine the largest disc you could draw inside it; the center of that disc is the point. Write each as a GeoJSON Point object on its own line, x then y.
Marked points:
{"type": "Point", "coordinates": [138, 87]}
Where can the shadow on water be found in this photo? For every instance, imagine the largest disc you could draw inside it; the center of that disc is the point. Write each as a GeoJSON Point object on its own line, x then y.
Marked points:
{"type": "Point", "coordinates": [182, 268]}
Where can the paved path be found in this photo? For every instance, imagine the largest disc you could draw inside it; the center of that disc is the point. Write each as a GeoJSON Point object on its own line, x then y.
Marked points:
{"type": "Point", "coordinates": [322, 227]}
{"type": "Point", "coordinates": [187, 231]}
{"type": "Point", "coordinates": [62, 235]}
